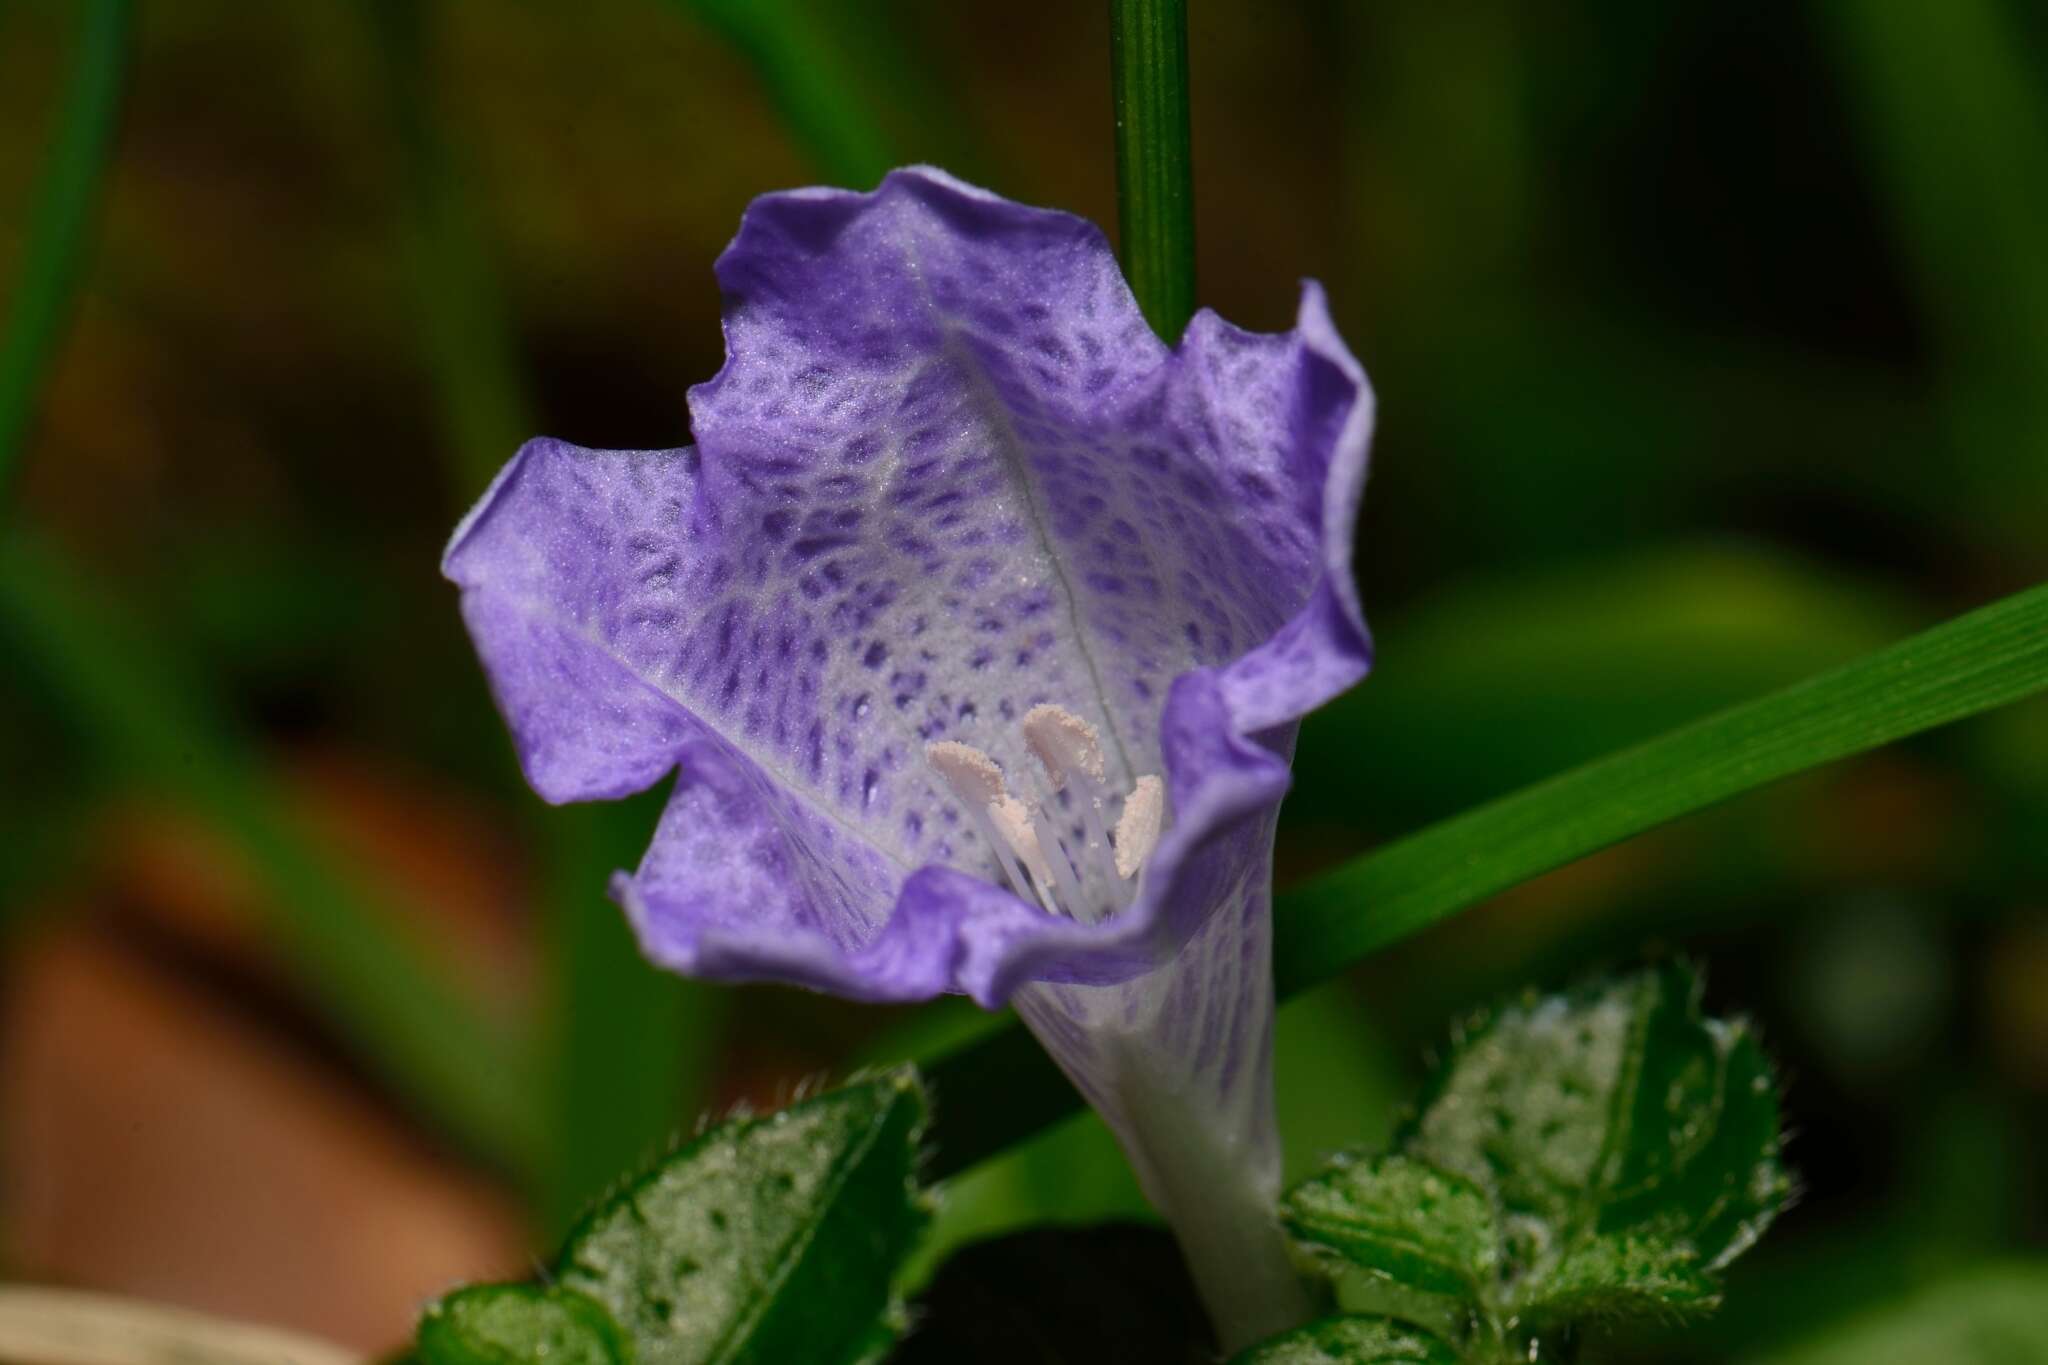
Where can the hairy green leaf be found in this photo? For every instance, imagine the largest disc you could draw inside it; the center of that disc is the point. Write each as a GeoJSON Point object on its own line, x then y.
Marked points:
{"type": "Point", "coordinates": [1630, 1143]}
{"type": "Point", "coordinates": [518, 1324]}
{"type": "Point", "coordinates": [1597, 1154]}
{"type": "Point", "coordinates": [1351, 1341]}
{"type": "Point", "coordinates": [766, 1240]}
{"type": "Point", "coordinates": [763, 1240]}
{"type": "Point", "coordinates": [1614, 1107]}
{"type": "Point", "coordinates": [1620, 1275]}
{"type": "Point", "coordinates": [1400, 1217]}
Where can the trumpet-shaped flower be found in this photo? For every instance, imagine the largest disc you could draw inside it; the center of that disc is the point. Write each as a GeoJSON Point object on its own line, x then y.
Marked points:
{"type": "Point", "coordinates": [975, 628]}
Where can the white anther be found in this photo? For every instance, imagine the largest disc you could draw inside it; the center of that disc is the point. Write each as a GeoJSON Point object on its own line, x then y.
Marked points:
{"type": "Point", "coordinates": [1064, 743]}
{"type": "Point", "coordinates": [1137, 829]}
{"type": "Point", "coordinates": [972, 774]}
{"type": "Point", "coordinates": [978, 782]}
{"type": "Point", "coordinates": [1056, 851]}
{"type": "Point", "coordinates": [1012, 820]}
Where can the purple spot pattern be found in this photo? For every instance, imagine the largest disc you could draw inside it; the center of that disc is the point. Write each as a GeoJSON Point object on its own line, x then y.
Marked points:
{"type": "Point", "coordinates": [946, 473]}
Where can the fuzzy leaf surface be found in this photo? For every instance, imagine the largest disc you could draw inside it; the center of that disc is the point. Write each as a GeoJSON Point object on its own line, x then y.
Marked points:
{"type": "Point", "coordinates": [1597, 1154]}
{"type": "Point", "coordinates": [768, 1239]}
{"type": "Point", "coordinates": [762, 1240]}
{"type": "Point", "coordinates": [1630, 1144]}
{"type": "Point", "coordinates": [1402, 1218]}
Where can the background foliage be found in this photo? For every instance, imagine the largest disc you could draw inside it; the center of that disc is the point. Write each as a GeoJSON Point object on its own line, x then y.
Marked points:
{"type": "Point", "coordinates": [1708, 338]}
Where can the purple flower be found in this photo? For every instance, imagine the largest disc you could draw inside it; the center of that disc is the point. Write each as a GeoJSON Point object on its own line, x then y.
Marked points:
{"type": "Point", "coordinates": [976, 627]}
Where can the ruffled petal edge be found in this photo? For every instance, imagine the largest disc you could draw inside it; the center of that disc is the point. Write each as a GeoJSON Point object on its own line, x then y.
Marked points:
{"type": "Point", "coordinates": [1226, 736]}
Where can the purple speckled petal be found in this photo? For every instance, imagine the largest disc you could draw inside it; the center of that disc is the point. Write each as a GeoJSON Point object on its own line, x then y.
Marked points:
{"type": "Point", "coordinates": [945, 475]}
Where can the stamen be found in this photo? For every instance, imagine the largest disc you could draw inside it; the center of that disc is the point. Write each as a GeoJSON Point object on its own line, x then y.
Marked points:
{"type": "Point", "coordinates": [1071, 751]}
{"type": "Point", "coordinates": [1064, 743]}
{"type": "Point", "coordinates": [1012, 820]}
{"type": "Point", "coordinates": [978, 782]}
{"type": "Point", "coordinates": [972, 774]}
{"type": "Point", "coordinates": [1064, 878]}
{"type": "Point", "coordinates": [1056, 849]}
{"type": "Point", "coordinates": [1137, 829]}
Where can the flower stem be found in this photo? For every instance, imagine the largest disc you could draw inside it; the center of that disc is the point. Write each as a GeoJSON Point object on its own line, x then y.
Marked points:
{"type": "Point", "coordinates": [58, 233]}
{"type": "Point", "coordinates": [1216, 1188]}
{"type": "Point", "coordinates": [1155, 191]}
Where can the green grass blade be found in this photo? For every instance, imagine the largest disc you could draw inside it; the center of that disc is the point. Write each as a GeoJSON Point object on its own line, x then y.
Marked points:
{"type": "Point", "coordinates": [58, 229]}
{"type": "Point", "coordinates": [467, 338]}
{"type": "Point", "coordinates": [999, 1090]}
{"type": "Point", "coordinates": [379, 987]}
{"type": "Point", "coordinates": [1987, 658]}
{"type": "Point", "coordinates": [1155, 183]}
{"type": "Point", "coordinates": [810, 80]}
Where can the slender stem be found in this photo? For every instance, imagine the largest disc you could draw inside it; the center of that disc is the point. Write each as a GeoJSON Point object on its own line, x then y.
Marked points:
{"type": "Point", "coordinates": [1216, 1188]}
{"type": "Point", "coordinates": [57, 234]}
{"type": "Point", "coordinates": [61, 1327]}
{"type": "Point", "coordinates": [1155, 190]}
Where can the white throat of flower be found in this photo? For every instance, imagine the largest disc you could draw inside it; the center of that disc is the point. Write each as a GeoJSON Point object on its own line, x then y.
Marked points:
{"type": "Point", "coordinates": [1058, 849]}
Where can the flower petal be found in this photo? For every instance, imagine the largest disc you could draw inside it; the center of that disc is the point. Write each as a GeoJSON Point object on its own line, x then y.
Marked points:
{"type": "Point", "coordinates": [946, 475]}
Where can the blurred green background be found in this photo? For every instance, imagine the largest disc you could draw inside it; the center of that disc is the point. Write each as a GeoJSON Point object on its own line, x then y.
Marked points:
{"type": "Point", "coordinates": [1711, 342]}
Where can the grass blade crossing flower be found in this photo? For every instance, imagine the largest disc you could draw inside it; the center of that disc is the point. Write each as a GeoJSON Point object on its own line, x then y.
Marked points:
{"type": "Point", "coordinates": [976, 626]}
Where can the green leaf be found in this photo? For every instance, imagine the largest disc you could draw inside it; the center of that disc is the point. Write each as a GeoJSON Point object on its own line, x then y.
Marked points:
{"type": "Point", "coordinates": [1989, 1315]}
{"type": "Point", "coordinates": [1630, 1144]}
{"type": "Point", "coordinates": [766, 1240]}
{"type": "Point", "coordinates": [1734, 1187]}
{"type": "Point", "coordinates": [518, 1324]}
{"type": "Point", "coordinates": [1985, 659]}
{"type": "Point", "coordinates": [1351, 1341]}
{"type": "Point", "coordinates": [1598, 1154]}
{"type": "Point", "coordinates": [1402, 1218]}
{"type": "Point", "coordinates": [1612, 1108]}
{"type": "Point", "coordinates": [1621, 1275]}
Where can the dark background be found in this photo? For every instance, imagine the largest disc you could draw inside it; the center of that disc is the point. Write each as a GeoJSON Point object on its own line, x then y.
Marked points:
{"type": "Point", "coordinates": [1709, 340]}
